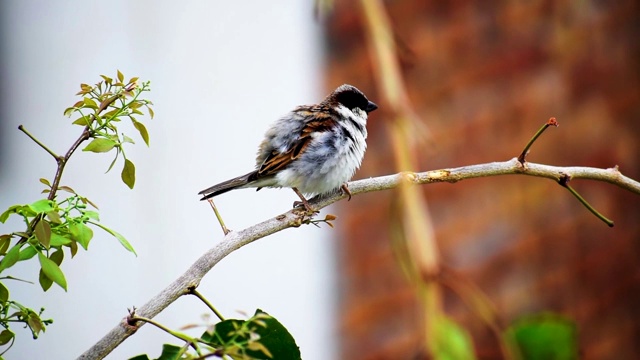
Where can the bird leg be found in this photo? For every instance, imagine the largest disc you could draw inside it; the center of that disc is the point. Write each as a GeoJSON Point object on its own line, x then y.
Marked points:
{"type": "Point", "coordinates": [345, 189]}
{"type": "Point", "coordinates": [304, 201]}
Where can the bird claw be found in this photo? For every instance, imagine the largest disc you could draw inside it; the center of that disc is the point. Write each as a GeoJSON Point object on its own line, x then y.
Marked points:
{"type": "Point", "coordinates": [305, 205]}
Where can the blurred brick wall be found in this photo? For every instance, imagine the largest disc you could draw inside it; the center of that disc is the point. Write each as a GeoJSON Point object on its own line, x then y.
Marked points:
{"type": "Point", "coordinates": [484, 76]}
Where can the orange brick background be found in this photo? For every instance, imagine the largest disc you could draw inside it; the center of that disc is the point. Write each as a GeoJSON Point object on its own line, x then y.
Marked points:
{"type": "Point", "coordinates": [483, 77]}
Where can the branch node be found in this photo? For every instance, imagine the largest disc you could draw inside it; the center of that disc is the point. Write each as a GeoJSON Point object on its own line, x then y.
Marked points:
{"type": "Point", "coordinates": [564, 180]}
{"type": "Point", "coordinates": [130, 319]}
{"type": "Point", "coordinates": [191, 289]}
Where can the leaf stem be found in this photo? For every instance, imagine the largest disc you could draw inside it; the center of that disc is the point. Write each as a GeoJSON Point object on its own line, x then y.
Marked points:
{"type": "Point", "coordinates": [189, 340]}
{"type": "Point", "coordinates": [551, 122]}
{"type": "Point", "coordinates": [55, 156]}
{"type": "Point", "coordinates": [193, 291]}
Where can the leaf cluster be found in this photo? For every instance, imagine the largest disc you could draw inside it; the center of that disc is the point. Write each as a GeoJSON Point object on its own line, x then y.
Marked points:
{"type": "Point", "coordinates": [259, 337]}
{"type": "Point", "coordinates": [120, 100]}
{"type": "Point", "coordinates": [56, 223]}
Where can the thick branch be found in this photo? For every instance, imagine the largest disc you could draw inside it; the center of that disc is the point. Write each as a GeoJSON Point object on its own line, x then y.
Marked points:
{"type": "Point", "coordinates": [294, 218]}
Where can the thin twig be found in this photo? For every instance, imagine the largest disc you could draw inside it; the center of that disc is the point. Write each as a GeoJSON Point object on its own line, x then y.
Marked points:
{"type": "Point", "coordinates": [551, 122]}
{"type": "Point", "coordinates": [215, 210]}
{"type": "Point", "coordinates": [55, 156]}
{"type": "Point", "coordinates": [564, 182]}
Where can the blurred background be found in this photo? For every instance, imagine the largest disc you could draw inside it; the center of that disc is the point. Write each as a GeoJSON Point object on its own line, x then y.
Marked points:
{"type": "Point", "coordinates": [476, 81]}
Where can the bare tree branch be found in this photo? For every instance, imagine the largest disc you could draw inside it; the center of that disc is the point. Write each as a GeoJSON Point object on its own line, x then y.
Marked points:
{"type": "Point", "coordinates": [294, 218]}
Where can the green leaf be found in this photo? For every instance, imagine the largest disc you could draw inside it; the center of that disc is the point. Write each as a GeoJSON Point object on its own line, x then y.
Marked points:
{"type": "Point", "coordinates": [140, 357]}
{"type": "Point", "coordinates": [107, 79]}
{"type": "Point", "coordinates": [111, 113]}
{"type": "Point", "coordinates": [5, 336]}
{"type": "Point", "coordinates": [120, 76]}
{"type": "Point", "coordinates": [5, 241]}
{"type": "Point", "coordinates": [52, 271]}
{"type": "Point", "coordinates": [45, 181]}
{"type": "Point", "coordinates": [57, 256]}
{"type": "Point", "coordinates": [151, 113]}
{"type": "Point", "coordinates": [273, 336]}
{"type": "Point", "coordinates": [142, 130]}
{"type": "Point", "coordinates": [42, 206]}
{"type": "Point", "coordinates": [45, 282]}
{"type": "Point", "coordinates": [35, 323]}
{"type": "Point", "coordinates": [114, 160]}
{"type": "Point", "coordinates": [27, 253]}
{"type": "Point", "coordinates": [451, 341]}
{"type": "Point", "coordinates": [4, 294]}
{"type": "Point", "coordinates": [11, 210]}
{"type": "Point", "coordinates": [120, 238]}
{"type": "Point", "coordinates": [127, 139]}
{"type": "Point", "coordinates": [545, 336]}
{"type": "Point", "coordinates": [11, 258]}
{"type": "Point", "coordinates": [82, 121]}
{"type": "Point", "coordinates": [74, 248]}
{"type": "Point", "coordinates": [129, 173]}
{"type": "Point", "coordinates": [81, 233]}
{"type": "Point", "coordinates": [170, 352]}
{"type": "Point", "coordinates": [91, 215]}
{"type": "Point", "coordinates": [277, 338]}
{"type": "Point", "coordinates": [100, 145]}
{"type": "Point", "coordinates": [67, 189]}
{"type": "Point", "coordinates": [89, 103]}
{"type": "Point", "coordinates": [43, 233]}
{"type": "Point", "coordinates": [87, 201]}
{"type": "Point", "coordinates": [54, 217]}
{"type": "Point", "coordinates": [25, 210]}
{"type": "Point", "coordinates": [59, 240]}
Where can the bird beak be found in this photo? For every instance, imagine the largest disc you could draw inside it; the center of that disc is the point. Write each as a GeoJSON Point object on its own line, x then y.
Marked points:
{"type": "Point", "coordinates": [371, 106]}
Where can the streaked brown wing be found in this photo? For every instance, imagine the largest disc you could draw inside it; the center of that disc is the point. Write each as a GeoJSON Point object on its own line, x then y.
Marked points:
{"type": "Point", "coordinates": [276, 161]}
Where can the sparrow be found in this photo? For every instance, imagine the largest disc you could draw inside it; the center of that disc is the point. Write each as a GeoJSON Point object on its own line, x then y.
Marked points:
{"type": "Point", "coordinates": [314, 149]}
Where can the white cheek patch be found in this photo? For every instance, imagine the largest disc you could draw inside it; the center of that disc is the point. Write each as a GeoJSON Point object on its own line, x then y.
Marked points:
{"type": "Point", "coordinates": [360, 113]}
{"type": "Point", "coordinates": [344, 112]}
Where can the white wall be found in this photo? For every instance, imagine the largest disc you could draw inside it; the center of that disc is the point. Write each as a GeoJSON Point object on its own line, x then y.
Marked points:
{"type": "Point", "coordinates": [220, 72]}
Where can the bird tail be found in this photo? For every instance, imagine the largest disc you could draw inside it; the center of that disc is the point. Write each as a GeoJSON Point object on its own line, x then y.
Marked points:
{"type": "Point", "coordinates": [228, 185]}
